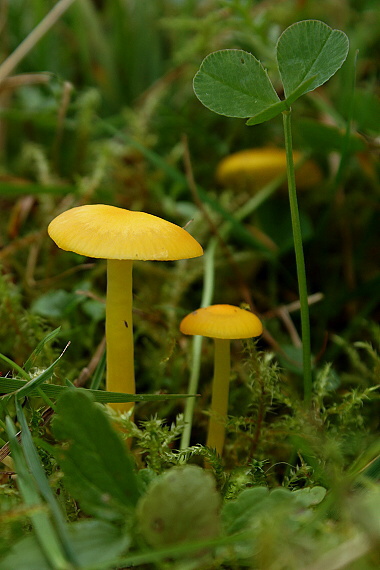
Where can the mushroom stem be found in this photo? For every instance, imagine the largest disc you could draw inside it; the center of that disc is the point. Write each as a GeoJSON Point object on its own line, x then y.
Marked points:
{"type": "Point", "coordinates": [219, 398]}
{"type": "Point", "coordinates": [119, 331]}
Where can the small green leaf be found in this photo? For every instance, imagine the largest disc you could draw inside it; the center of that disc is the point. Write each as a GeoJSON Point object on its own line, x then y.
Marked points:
{"type": "Point", "coordinates": [233, 83]}
{"type": "Point", "coordinates": [98, 469]}
{"type": "Point", "coordinates": [309, 496]}
{"type": "Point", "coordinates": [180, 505]}
{"type": "Point", "coordinates": [238, 514]}
{"type": "Point", "coordinates": [309, 49]}
{"type": "Point", "coordinates": [254, 504]}
{"type": "Point", "coordinates": [95, 542]}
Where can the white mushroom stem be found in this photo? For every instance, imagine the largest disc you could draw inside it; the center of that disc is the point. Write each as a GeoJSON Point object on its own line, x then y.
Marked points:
{"type": "Point", "coordinates": [219, 398]}
{"type": "Point", "coordinates": [119, 331]}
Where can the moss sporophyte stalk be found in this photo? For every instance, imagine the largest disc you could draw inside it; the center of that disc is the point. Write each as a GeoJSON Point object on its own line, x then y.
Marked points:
{"type": "Point", "coordinates": [121, 236]}
{"type": "Point", "coordinates": [234, 83]}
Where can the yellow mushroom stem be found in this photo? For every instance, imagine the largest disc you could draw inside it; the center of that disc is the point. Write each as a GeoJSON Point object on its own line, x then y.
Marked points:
{"type": "Point", "coordinates": [119, 331]}
{"type": "Point", "coordinates": [219, 398]}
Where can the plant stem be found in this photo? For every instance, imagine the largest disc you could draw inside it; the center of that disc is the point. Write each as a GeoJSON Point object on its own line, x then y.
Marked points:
{"type": "Point", "coordinates": [219, 398]}
{"type": "Point", "coordinates": [44, 529]}
{"type": "Point", "coordinates": [33, 38]}
{"type": "Point", "coordinates": [208, 292]}
{"type": "Point", "coordinates": [119, 331]}
{"type": "Point", "coordinates": [300, 261]}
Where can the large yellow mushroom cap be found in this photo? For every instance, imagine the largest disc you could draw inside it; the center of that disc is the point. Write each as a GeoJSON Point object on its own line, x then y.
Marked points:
{"type": "Point", "coordinates": [222, 321]}
{"type": "Point", "coordinates": [254, 168]}
{"type": "Point", "coordinates": [108, 232]}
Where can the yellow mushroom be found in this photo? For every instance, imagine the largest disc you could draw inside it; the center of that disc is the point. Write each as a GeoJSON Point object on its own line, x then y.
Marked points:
{"type": "Point", "coordinates": [222, 323]}
{"type": "Point", "coordinates": [120, 236]}
{"type": "Point", "coordinates": [254, 168]}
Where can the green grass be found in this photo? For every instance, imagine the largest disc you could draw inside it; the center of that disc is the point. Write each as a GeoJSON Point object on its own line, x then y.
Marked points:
{"type": "Point", "coordinates": [109, 116]}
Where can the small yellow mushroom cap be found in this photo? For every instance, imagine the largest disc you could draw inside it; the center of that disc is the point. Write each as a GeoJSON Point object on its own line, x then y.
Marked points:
{"type": "Point", "coordinates": [108, 232]}
{"type": "Point", "coordinates": [254, 168]}
{"type": "Point", "coordinates": [222, 321]}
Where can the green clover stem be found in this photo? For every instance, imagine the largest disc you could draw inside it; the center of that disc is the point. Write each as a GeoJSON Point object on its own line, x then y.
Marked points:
{"type": "Point", "coordinates": [300, 261]}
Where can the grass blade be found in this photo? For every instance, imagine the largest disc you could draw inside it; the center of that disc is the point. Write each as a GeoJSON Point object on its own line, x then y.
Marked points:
{"type": "Point", "coordinates": [10, 385]}
{"type": "Point", "coordinates": [50, 336]}
{"type": "Point", "coordinates": [37, 471]}
{"type": "Point", "coordinates": [42, 525]}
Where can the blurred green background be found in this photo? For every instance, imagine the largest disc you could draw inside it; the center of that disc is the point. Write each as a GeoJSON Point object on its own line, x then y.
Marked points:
{"type": "Point", "coordinates": [101, 110]}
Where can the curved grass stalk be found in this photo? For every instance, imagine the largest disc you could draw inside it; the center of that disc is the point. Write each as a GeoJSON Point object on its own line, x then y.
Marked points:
{"type": "Point", "coordinates": [33, 38]}
{"type": "Point", "coordinates": [207, 295]}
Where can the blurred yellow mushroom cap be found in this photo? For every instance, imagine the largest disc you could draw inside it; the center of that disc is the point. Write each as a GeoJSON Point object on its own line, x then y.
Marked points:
{"type": "Point", "coordinates": [108, 232]}
{"type": "Point", "coordinates": [222, 321]}
{"type": "Point", "coordinates": [254, 168]}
